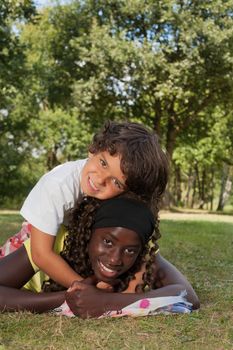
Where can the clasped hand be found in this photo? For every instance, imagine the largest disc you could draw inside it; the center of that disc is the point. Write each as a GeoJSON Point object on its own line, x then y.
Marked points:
{"type": "Point", "coordinates": [86, 300]}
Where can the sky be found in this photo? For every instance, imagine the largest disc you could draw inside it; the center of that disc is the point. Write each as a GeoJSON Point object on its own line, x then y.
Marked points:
{"type": "Point", "coordinates": [42, 3]}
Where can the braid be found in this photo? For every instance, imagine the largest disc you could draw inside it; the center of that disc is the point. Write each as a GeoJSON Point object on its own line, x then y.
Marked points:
{"type": "Point", "coordinates": [152, 247]}
{"type": "Point", "coordinates": [75, 250]}
{"type": "Point", "coordinates": [147, 256]}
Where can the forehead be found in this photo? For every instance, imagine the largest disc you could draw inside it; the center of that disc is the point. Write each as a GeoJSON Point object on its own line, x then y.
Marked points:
{"type": "Point", "coordinates": [120, 235]}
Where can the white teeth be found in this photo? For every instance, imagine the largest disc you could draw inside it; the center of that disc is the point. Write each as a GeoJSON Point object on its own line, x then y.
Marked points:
{"type": "Point", "coordinates": [105, 268]}
{"type": "Point", "coordinates": [93, 185]}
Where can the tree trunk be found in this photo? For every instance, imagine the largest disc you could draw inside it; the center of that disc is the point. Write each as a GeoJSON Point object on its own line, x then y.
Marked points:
{"type": "Point", "coordinates": [157, 119]}
{"type": "Point", "coordinates": [212, 190]}
{"type": "Point", "coordinates": [52, 160]}
{"type": "Point", "coordinates": [198, 182]}
{"type": "Point", "coordinates": [191, 181]}
{"type": "Point", "coordinates": [177, 189]}
{"type": "Point", "coordinates": [171, 138]}
{"type": "Point", "coordinates": [226, 185]}
{"type": "Point", "coordinates": [202, 190]}
{"type": "Point", "coordinates": [194, 192]}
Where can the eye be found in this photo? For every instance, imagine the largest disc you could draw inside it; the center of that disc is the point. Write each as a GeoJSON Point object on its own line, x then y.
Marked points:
{"type": "Point", "coordinates": [117, 183]}
{"type": "Point", "coordinates": [107, 242]}
{"type": "Point", "coordinates": [130, 251]}
{"type": "Point", "coordinates": [103, 163]}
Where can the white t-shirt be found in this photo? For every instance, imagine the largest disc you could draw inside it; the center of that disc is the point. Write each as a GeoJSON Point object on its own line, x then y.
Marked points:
{"type": "Point", "coordinates": [53, 195]}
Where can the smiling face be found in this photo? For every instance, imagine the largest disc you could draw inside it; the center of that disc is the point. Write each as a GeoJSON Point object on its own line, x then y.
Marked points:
{"type": "Point", "coordinates": [102, 177]}
{"type": "Point", "coordinates": [113, 251]}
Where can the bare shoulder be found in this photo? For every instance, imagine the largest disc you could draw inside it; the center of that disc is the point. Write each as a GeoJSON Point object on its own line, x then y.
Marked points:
{"type": "Point", "coordinates": [165, 273]}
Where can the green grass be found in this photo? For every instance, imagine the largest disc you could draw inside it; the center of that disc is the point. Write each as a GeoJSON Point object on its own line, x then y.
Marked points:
{"type": "Point", "coordinates": [201, 250]}
{"type": "Point", "coordinates": [9, 224]}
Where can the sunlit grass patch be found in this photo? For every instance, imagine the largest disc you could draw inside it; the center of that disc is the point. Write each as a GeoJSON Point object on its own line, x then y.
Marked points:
{"type": "Point", "coordinates": [9, 225]}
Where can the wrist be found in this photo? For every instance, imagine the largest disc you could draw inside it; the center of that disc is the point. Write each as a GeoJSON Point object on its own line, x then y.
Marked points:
{"type": "Point", "coordinates": [117, 301]}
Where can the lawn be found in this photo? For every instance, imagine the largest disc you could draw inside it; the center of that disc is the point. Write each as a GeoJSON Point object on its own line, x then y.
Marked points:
{"type": "Point", "coordinates": [201, 250]}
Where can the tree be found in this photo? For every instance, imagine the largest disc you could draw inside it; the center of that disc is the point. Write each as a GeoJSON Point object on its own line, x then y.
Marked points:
{"type": "Point", "coordinates": [12, 73]}
{"type": "Point", "coordinates": [11, 52]}
{"type": "Point", "coordinates": [205, 163]}
{"type": "Point", "coordinates": [167, 64]}
{"type": "Point", "coordinates": [163, 63]}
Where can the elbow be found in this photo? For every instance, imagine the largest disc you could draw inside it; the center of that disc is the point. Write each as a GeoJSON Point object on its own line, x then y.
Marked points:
{"type": "Point", "coordinates": [190, 295]}
{"type": "Point", "coordinates": [196, 303]}
{"type": "Point", "coordinates": [37, 258]}
{"type": "Point", "coordinates": [193, 299]}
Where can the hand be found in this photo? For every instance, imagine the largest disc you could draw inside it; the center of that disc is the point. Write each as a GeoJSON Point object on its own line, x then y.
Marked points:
{"type": "Point", "coordinates": [92, 280]}
{"type": "Point", "coordinates": [86, 300]}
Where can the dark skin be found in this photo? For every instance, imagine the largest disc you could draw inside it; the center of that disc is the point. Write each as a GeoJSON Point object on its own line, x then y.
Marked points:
{"type": "Point", "coordinates": [84, 299]}
{"type": "Point", "coordinates": [88, 301]}
{"type": "Point", "coordinates": [12, 298]}
{"type": "Point", "coordinates": [113, 251]}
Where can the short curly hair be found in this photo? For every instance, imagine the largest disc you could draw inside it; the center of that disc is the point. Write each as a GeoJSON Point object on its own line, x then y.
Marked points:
{"type": "Point", "coordinates": [143, 161]}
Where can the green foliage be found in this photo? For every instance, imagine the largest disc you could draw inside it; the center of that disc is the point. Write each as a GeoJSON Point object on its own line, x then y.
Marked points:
{"type": "Point", "coordinates": [60, 132]}
{"type": "Point", "coordinates": [168, 64]}
{"type": "Point", "coordinates": [12, 72]}
{"type": "Point", "coordinates": [164, 63]}
{"type": "Point", "coordinates": [11, 52]}
{"type": "Point", "coordinates": [17, 175]}
{"type": "Point", "coordinates": [207, 154]}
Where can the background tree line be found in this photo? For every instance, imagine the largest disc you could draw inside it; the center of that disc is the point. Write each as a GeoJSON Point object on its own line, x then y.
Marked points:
{"type": "Point", "coordinates": [67, 68]}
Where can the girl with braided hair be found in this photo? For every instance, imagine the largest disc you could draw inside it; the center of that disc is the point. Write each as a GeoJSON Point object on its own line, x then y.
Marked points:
{"type": "Point", "coordinates": [86, 216]}
{"type": "Point", "coordinates": [109, 243]}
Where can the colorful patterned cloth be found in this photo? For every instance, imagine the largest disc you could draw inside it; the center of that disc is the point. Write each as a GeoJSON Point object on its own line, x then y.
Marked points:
{"type": "Point", "coordinates": [142, 307]}
{"type": "Point", "coordinates": [154, 306]}
{"type": "Point", "coordinates": [16, 241]}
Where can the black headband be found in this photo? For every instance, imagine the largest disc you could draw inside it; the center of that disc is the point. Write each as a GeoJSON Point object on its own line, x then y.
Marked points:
{"type": "Point", "coordinates": [127, 213]}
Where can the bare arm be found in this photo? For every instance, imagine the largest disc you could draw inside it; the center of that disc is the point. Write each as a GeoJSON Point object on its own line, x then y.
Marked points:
{"type": "Point", "coordinates": [50, 262]}
{"type": "Point", "coordinates": [15, 271]}
{"type": "Point", "coordinates": [170, 281]}
{"type": "Point", "coordinates": [12, 299]}
{"type": "Point", "coordinates": [88, 301]}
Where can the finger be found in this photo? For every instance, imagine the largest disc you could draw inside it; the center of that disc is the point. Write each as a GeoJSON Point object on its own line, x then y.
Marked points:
{"type": "Point", "coordinates": [74, 294]}
{"type": "Point", "coordinates": [75, 286]}
{"type": "Point", "coordinates": [91, 280]}
{"type": "Point", "coordinates": [73, 302]}
{"type": "Point", "coordinates": [72, 286]}
{"type": "Point", "coordinates": [105, 286]}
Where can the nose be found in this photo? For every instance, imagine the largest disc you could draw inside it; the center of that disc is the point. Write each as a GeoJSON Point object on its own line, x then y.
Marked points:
{"type": "Point", "coordinates": [102, 177]}
{"type": "Point", "coordinates": [115, 258]}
